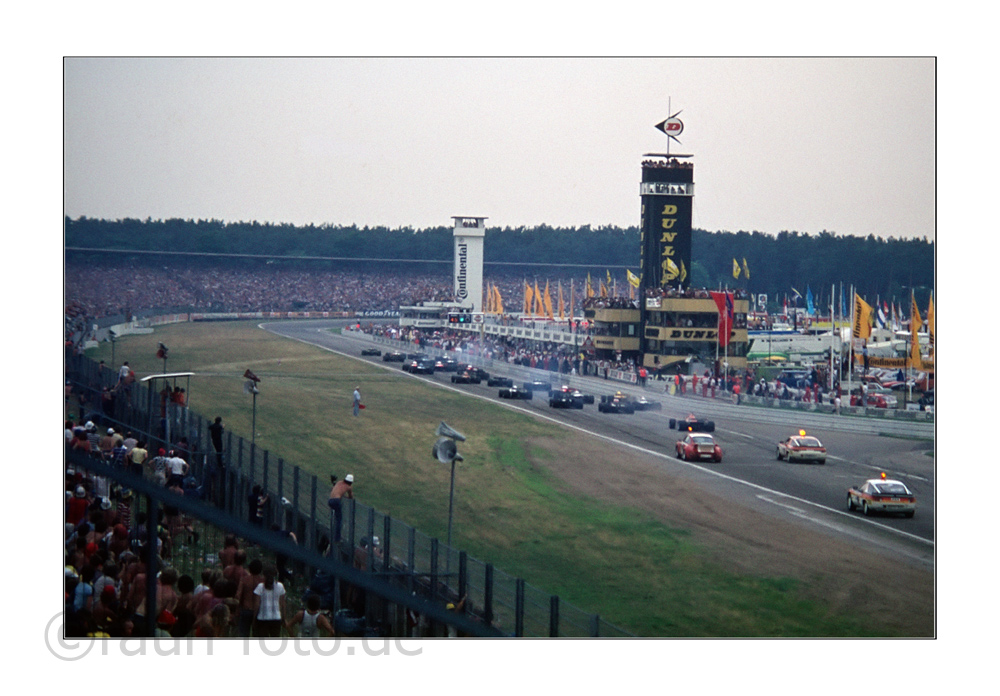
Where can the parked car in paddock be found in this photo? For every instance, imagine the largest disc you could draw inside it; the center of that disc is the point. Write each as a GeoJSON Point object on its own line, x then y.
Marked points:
{"type": "Point", "coordinates": [641, 403]}
{"type": "Point", "coordinates": [566, 397]}
{"type": "Point", "coordinates": [616, 403]}
{"type": "Point", "coordinates": [515, 392]}
{"type": "Point", "coordinates": [497, 381]}
{"type": "Point", "coordinates": [394, 356]}
{"type": "Point", "coordinates": [802, 448]}
{"type": "Point", "coordinates": [698, 446]}
{"type": "Point", "coordinates": [882, 495]}
{"type": "Point", "coordinates": [371, 351]}
{"type": "Point", "coordinates": [692, 424]}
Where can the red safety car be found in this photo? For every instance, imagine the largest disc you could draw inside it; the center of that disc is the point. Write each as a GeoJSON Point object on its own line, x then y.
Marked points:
{"type": "Point", "coordinates": [698, 446]}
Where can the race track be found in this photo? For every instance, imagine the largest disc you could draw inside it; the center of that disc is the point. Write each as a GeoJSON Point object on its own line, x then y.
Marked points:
{"type": "Point", "coordinates": [749, 475]}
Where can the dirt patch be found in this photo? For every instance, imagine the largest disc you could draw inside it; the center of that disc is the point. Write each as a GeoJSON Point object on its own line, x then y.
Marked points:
{"type": "Point", "coordinates": [747, 541]}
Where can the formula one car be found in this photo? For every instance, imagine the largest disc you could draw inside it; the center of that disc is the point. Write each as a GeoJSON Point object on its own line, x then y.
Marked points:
{"type": "Point", "coordinates": [371, 351]}
{"type": "Point", "coordinates": [394, 356]}
{"type": "Point", "coordinates": [696, 446]}
{"type": "Point", "coordinates": [882, 495]}
{"type": "Point", "coordinates": [538, 385]}
{"type": "Point", "coordinates": [616, 403]}
{"type": "Point", "coordinates": [566, 397]}
{"type": "Point", "coordinates": [641, 403]}
{"type": "Point", "coordinates": [497, 381]}
{"type": "Point", "coordinates": [692, 424]}
{"type": "Point", "coordinates": [803, 448]}
{"type": "Point", "coordinates": [515, 392]}
{"type": "Point", "coordinates": [466, 377]}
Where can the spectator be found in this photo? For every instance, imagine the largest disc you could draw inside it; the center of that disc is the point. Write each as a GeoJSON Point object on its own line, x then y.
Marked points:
{"type": "Point", "coordinates": [341, 489]}
{"type": "Point", "coordinates": [312, 621]}
{"type": "Point", "coordinates": [137, 458]}
{"type": "Point", "coordinates": [269, 605]}
{"type": "Point", "coordinates": [178, 469]}
{"type": "Point", "coordinates": [245, 597]}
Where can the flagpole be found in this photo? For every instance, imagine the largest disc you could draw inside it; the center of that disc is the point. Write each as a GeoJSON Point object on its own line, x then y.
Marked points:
{"type": "Point", "coordinates": [850, 354]}
{"type": "Point", "coordinates": [833, 332]}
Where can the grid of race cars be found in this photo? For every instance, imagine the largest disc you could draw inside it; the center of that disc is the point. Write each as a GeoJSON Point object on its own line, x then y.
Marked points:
{"type": "Point", "coordinates": [882, 495]}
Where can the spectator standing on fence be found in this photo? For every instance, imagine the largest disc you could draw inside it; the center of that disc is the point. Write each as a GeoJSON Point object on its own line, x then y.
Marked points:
{"type": "Point", "coordinates": [215, 430]}
{"type": "Point", "coordinates": [341, 489]}
{"type": "Point", "coordinates": [269, 605]}
{"type": "Point", "coordinates": [357, 400]}
{"type": "Point", "coordinates": [257, 502]}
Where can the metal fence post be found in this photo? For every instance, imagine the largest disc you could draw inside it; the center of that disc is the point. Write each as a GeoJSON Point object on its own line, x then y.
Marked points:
{"type": "Point", "coordinates": [463, 574]}
{"type": "Point", "coordinates": [488, 595]}
{"type": "Point", "coordinates": [312, 512]}
{"type": "Point", "coordinates": [411, 555]}
{"type": "Point", "coordinates": [434, 569]}
{"type": "Point", "coordinates": [595, 625]}
{"type": "Point", "coordinates": [554, 616]}
{"type": "Point", "coordinates": [519, 608]}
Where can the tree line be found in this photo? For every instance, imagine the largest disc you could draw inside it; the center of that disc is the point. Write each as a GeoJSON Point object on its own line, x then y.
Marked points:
{"type": "Point", "coordinates": [878, 267]}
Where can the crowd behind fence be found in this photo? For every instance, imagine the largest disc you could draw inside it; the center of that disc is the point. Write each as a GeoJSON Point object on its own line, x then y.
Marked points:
{"type": "Point", "coordinates": [297, 503]}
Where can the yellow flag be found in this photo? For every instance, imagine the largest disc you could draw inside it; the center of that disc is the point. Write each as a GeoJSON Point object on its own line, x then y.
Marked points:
{"type": "Point", "coordinates": [590, 286]}
{"type": "Point", "coordinates": [604, 289]}
{"type": "Point", "coordinates": [633, 279]}
{"type": "Point", "coordinates": [930, 322]}
{"type": "Point", "coordinates": [916, 322]}
{"type": "Point", "coordinates": [548, 302]}
{"type": "Point", "coordinates": [489, 299]}
{"type": "Point", "coordinates": [498, 302]}
{"type": "Point", "coordinates": [736, 269]}
{"type": "Point", "coordinates": [609, 276]}
{"type": "Point", "coordinates": [537, 309]}
{"type": "Point", "coordinates": [746, 269]}
{"type": "Point", "coordinates": [862, 318]}
{"type": "Point", "coordinates": [527, 298]}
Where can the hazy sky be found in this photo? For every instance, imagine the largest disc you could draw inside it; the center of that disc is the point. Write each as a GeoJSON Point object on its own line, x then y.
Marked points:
{"type": "Point", "coordinates": [841, 144]}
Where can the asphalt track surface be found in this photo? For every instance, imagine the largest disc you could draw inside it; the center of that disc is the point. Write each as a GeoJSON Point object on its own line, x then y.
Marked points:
{"type": "Point", "coordinates": [749, 474]}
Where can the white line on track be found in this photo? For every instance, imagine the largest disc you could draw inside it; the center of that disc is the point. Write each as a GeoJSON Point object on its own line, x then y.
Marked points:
{"type": "Point", "coordinates": [637, 448]}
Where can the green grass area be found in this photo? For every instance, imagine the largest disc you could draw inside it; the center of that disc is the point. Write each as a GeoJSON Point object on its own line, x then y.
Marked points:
{"type": "Point", "coordinates": [614, 560]}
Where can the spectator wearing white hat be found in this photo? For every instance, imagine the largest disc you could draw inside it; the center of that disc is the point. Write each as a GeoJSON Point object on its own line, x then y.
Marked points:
{"type": "Point", "coordinates": [341, 489]}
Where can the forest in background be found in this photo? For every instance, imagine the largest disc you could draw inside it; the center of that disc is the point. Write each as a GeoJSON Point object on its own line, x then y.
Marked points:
{"type": "Point", "coordinates": [887, 269]}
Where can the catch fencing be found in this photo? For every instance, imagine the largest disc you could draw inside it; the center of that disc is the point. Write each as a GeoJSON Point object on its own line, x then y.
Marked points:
{"type": "Point", "coordinates": [298, 503]}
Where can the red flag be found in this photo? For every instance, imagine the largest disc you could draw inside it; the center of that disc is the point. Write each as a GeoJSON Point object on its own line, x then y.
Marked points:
{"type": "Point", "coordinates": [724, 303]}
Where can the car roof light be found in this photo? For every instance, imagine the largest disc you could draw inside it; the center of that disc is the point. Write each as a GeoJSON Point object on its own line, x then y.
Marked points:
{"type": "Point", "coordinates": [802, 433]}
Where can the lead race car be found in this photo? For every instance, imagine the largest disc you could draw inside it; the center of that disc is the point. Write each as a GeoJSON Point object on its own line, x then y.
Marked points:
{"type": "Point", "coordinates": [371, 351]}
{"type": "Point", "coordinates": [692, 424]}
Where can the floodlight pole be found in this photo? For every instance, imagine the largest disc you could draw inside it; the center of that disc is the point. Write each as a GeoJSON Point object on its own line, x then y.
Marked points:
{"type": "Point", "coordinates": [451, 507]}
{"type": "Point", "coordinates": [253, 427]}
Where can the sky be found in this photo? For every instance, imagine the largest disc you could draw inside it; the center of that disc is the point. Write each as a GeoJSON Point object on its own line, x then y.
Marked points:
{"type": "Point", "coordinates": [845, 145]}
